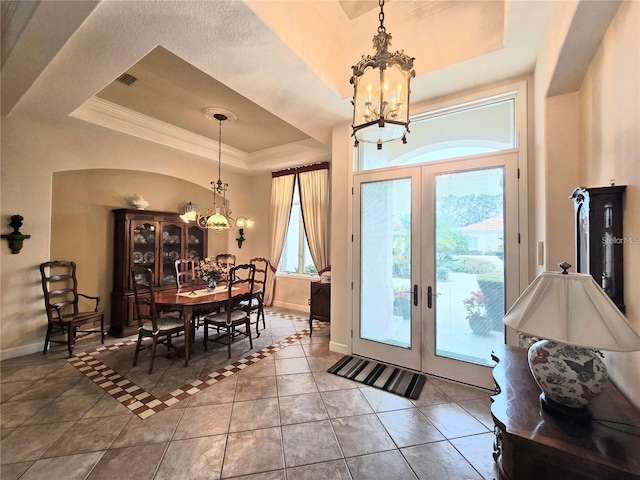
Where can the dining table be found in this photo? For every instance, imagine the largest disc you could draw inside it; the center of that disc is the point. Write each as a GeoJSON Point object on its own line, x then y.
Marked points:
{"type": "Point", "coordinates": [188, 300]}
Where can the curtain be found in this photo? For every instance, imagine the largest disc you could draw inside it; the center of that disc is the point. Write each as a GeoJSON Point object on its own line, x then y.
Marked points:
{"type": "Point", "coordinates": [314, 201]}
{"type": "Point", "coordinates": [280, 211]}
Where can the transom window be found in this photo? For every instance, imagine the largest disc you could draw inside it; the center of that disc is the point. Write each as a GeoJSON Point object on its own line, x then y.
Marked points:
{"type": "Point", "coordinates": [473, 128]}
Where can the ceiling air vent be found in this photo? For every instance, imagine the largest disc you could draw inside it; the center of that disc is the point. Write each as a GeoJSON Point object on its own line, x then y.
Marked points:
{"type": "Point", "coordinates": [126, 79]}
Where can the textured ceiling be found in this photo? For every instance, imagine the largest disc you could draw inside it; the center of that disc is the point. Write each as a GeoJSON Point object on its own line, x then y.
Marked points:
{"type": "Point", "coordinates": [282, 67]}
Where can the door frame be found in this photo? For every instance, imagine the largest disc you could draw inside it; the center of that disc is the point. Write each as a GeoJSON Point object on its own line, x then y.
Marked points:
{"type": "Point", "coordinates": [432, 363]}
{"type": "Point", "coordinates": [405, 357]}
{"type": "Point", "coordinates": [517, 267]}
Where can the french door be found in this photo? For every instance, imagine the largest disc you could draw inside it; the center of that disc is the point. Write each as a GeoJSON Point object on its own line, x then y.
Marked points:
{"type": "Point", "coordinates": [431, 279]}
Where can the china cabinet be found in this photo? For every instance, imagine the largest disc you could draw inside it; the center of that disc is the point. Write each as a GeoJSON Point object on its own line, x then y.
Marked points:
{"type": "Point", "coordinates": [154, 240]}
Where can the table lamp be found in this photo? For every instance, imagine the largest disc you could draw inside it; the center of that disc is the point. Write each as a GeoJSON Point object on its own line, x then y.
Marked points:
{"type": "Point", "coordinates": [574, 316]}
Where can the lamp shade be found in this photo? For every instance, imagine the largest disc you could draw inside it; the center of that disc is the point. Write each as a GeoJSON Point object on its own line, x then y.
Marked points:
{"type": "Point", "coordinates": [573, 309]}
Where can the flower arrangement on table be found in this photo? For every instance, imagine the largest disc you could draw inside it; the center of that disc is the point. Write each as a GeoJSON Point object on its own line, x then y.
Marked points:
{"type": "Point", "coordinates": [211, 273]}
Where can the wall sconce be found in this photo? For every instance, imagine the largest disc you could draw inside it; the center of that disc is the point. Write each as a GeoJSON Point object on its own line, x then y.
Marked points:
{"type": "Point", "coordinates": [242, 223]}
{"type": "Point", "coordinates": [15, 238]}
{"type": "Point", "coordinates": [241, 238]}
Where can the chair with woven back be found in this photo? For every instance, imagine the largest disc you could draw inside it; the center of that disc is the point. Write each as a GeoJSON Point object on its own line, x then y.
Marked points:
{"type": "Point", "coordinates": [255, 303]}
{"type": "Point", "coordinates": [150, 323]}
{"type": "Point", "coordinates": [63, 304]}
{"type": "Point", "coordinates": [234, 314]}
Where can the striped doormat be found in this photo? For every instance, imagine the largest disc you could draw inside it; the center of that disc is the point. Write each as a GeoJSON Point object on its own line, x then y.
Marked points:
{"type": "Point", "coordinates": [385, 377]}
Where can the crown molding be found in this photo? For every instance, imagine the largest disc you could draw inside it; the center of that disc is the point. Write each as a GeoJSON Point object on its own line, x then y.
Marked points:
{"type": "Point", "coordinates": [115, 117]}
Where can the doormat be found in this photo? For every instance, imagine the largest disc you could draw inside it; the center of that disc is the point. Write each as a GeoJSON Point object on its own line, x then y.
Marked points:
{"type": "Point", "coordinates": [385, 377]}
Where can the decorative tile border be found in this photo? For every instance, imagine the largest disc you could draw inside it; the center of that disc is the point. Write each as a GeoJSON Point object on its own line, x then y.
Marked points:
{"type": "Point", "coordinates": [144, 404]}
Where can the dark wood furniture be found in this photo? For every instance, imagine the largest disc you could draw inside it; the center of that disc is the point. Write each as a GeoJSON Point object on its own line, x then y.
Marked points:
{"type": "Point", "coordinates": [531, 444]}
{"type": "Point", "coordinates": [62, 303]}
{"type": "Point", "coordinates": [599, 237]}
{"type": "Point", "coordinates": [257, 299]}
{"type": "Point", "coordinates": [241, 278]}
{"type": "Point", "coordinates": [151, 323]}
{"type": "Point", "coordinates": [187, 303]}
{"type": "Point", "coordinates": [319, 303]}
{"type": "Point", "coordinates": [226, 260]}
{"type": "Point", "coordinates": [187, 273]}
{"type": "Point", "coordinates": [154, 240]}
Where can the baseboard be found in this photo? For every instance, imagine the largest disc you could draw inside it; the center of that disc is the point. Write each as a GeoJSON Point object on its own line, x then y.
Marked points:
{"type": "Point", "coordinates": [21, 350]}
{"type": "Point", "coordinates": [339, 348]}
{"type": "Point", "coordinates": [292, 306]}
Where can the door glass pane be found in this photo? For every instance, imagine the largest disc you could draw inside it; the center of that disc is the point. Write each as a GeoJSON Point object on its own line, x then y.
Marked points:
{"type": "Point", "coordinates": [385, 305]}
{"type": "Point", "coordinates": [171, 251]}
{"type": "Point", "coordinates": [469, 264]}
{"type": "Point", "coordinates": [195, 243]}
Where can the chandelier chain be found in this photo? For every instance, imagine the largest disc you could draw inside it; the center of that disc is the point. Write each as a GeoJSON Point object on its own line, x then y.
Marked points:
{"type": "Point", "coordinates": [381, 16]}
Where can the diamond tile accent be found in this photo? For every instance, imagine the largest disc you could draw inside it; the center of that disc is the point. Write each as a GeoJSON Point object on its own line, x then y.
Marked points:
{"type": "Point", "coordinates": [143, 403]}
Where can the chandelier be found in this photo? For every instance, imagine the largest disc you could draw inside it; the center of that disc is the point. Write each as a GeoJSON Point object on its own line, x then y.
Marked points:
{"type": "Point", "coordinates": [217, 217]}
{"type": "Point", "coordinates": [381, 92]}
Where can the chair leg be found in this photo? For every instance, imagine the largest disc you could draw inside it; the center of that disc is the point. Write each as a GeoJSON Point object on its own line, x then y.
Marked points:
{"type": "Point", "coordinates": [102, 332]}
{"type": "Point", "coordinates": [47, 338]}
{"type": "Point", "coordinates": [71, 338]}
{"type": "Point", "coordinates": [261, 311]}
{"type": "Point", "coordinates": [153, 352]}
{"type": "Point", "coordinates": [135, 356]}
{"type": "Point", "coordinates": [206, 335]}
{"type": "Point", "coordinates": [248, 328]}
{"type": "Point", "coordinates": [229, 341]}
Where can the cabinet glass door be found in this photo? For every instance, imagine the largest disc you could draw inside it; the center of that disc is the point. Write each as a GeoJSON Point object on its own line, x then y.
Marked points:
{"type": "Point", "coordinates": [171, 251]}
{"type": "Point", "coordinates": [195, 243]}
{"type": "Point", "coordinates": [144, 245]}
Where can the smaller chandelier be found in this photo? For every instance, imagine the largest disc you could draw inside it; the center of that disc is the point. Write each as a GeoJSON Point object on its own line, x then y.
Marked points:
{"type": "Point", "coordinates": [217, 218]}
{"type": "Point", "coordinates": [381, 92]}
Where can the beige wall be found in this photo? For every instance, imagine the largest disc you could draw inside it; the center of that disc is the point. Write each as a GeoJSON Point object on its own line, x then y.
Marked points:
{"type": "Point", "coordinates": [33, 149]}
{"type": "Point", "coordinates": [82, 221]}
{"type": "Point", "coordinates": [561, 177]}
{"type": "Point", "coordinates": [610, 149]}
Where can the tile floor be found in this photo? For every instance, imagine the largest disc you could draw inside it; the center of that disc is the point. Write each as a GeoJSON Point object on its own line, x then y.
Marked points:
{"type": "Point", "coordinates": [280, 417]}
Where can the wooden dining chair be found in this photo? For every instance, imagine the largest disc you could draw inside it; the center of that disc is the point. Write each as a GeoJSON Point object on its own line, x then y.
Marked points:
{"type": "Point", "coordinates": [62, 304]}
{"type": "Point", "coordinates": [187, 273]}
{"type": "Point", "coordinates": [150, 323]}
{"type": "Point", "coordinates": [255, 303]}
{"type": "Point", "coordinates": [226, 260]}
{"type": "Point", "coordinates": [234, 314]}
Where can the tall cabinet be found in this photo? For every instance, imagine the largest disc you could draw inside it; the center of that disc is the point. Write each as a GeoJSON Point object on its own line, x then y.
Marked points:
{"type": "Point", "coordinates": [154, 240]}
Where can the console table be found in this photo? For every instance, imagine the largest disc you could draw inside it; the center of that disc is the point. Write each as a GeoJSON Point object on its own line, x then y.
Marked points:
{"type": "Point", "coordinates": [532, 444]}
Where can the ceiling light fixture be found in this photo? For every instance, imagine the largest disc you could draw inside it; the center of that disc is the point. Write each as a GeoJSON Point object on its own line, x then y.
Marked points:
{"type": "Point", "coordinates": [381, 92]}
{"type": "Point", "coordinates": [217, 218]}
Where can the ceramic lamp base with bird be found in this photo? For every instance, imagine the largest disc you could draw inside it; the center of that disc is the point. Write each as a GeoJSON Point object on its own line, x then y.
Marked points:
{"type": "Point", "coordinates": [569, 377]}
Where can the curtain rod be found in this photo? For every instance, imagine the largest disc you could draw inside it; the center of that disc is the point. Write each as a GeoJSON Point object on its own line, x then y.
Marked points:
{"type": "Point", "coordinates": [300, 169]}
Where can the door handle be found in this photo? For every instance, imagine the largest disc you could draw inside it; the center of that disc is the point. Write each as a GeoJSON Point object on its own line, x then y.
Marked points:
{"type": "Point", "coordinates": [430, 296]}
{"type": "Point", "coordinates": [415, 295]}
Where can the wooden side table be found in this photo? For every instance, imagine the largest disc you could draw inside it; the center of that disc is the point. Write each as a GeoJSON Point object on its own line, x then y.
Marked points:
{"type": "Point", "coordinates": [320, 303]}
{"type": "Point", "coordinates": [532, 444]}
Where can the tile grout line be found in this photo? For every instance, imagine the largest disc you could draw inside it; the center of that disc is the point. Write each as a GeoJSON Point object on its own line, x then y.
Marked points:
{"type": "Point", "coordinates": [143, 403]}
